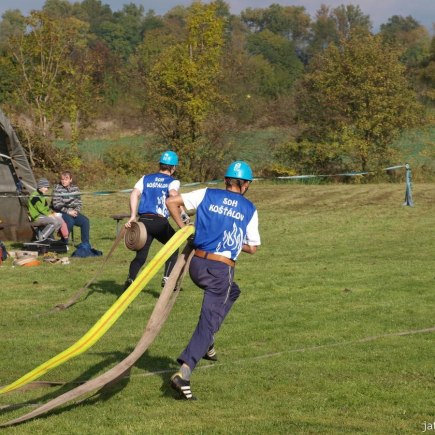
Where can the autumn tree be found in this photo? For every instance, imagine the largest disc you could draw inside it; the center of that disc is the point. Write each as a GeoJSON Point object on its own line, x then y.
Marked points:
{"type": "Point", "coordinates": [353, 103]}
{"type": "Point", "coordinates": [410, 36]}
{"type": "Point", "coordinates": [12, 23]}
{"type": "Point", "coordinates": [427, 75]}
{"type": "Point", "coordinates": [63, 9]}
{"type": "Point", "coordinates": [332, 25]}
{"type": "Point", "coordinates": [285, 67]}
{"type": "Point", "coordinates": [291, 22]}
{"type": "Point", "coordinates": [56, 74]}
{"type": "Point", "coordinates": [182, 88]}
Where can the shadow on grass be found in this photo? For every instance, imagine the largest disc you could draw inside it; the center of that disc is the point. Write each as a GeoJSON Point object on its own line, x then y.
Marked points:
{"type": "Point", "coordinates": [111, 287]}
{"type": "Point", "coordinates": [162, 365]}
{"type": "Point", "coordinates": [105, 287]}
{"type": "Point", "coordinates": [110, 359]}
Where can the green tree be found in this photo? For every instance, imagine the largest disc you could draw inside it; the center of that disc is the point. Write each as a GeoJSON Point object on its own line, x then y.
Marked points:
{"type": "Point", "coordinates": [291, 23]}
{"type": "Point", "coordinates": [96, 14]}
{"type": "Point", "coordinates": [323, 30]}
{"type": "Point", "coordinates": [12, 24]}
{"type": "Point", "coordinates": [56, 74]}
{"type": "Point", "coordinates": [125, 32]}
{"type": "Point", "coordinates": [182, 87]}
{"type": "Point", "coordinates": [331, 26]}
{"type": "Point", "coordinates": [353, 103]}
{"type": "Point", "coordinates": [151, 21]}
{"type": "Point", "coordinates": [349, 18]}
{"type": "Point", "coordinates": [280, 53]}
{"type": "Point", "coordinates": [57, 8]}
{"type": "Point", "coordinates": [427, 75]}
{"type": "Point", "coordinates": [410, 36]}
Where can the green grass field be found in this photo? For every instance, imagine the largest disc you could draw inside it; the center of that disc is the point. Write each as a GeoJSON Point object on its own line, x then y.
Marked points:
{"type": "Point", "coordinates": [333, 333]}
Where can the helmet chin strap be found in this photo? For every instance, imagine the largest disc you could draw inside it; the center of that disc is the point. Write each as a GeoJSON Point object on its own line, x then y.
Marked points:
{"type": "Point", "coordinates": [240, 184]}
{"type": "Point", "coordinates": [237, 182]}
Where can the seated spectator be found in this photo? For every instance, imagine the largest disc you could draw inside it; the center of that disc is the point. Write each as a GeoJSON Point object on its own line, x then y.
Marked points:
{"type": "Point", "coordinates": [40, 212]}
{"type": "Point", "coordinates": [67, 201]}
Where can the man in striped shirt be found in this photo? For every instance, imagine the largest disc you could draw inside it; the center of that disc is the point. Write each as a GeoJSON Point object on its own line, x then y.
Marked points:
{"type": "Point", "coordinates": [67, 201]}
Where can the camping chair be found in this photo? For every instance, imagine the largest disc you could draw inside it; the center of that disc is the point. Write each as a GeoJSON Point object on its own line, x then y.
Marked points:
{"type": "Point", "coordinates": [41, 231]}
{"type": "Point", "coordinates": [44, 231]}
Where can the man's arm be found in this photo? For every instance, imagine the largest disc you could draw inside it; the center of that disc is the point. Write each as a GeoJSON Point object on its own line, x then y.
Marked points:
{"type": "Point", "coordinates": [134, 201]}
{"type": "Point", "coordinates": [41, 206]}
{"type": "Point", "coordinates": [184, 216]}
{"type": "Point", "coordinates": [173, 203]}
{"type": "Point", "coordinates": [252, 240]}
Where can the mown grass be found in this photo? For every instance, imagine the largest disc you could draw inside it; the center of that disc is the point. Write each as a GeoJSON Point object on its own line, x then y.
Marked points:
{"type": "Point", "coordinates": [97, 147]}
{"type": "Point", "coordinates": [256, 144]}
{"type": "Point", "coordinates": [313, 345]}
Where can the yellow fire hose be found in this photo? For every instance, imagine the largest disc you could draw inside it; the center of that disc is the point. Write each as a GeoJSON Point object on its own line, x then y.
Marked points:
{"type": "Point", "coordinates": [111, 315]}
{"type": "Point", "coordinates": [120, 371]}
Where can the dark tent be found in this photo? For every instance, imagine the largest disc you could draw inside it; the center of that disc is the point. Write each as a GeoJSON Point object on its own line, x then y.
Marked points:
{"type": "Point", "coordinates": [16, 182]}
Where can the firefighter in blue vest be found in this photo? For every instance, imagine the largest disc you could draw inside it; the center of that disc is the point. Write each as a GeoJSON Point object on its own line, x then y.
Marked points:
{"type": "Point", "coordinates": [148, 199]}
{"type": "Point", "coordinates": [226, 224]}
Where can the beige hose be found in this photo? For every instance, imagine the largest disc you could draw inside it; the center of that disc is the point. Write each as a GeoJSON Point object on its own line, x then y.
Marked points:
{"type": "Point", "coordinates": [135, 236]}
{"type": "Point", "coordinates": [158, 317]}
{"type": "Point", "coordinates": [73, 299]}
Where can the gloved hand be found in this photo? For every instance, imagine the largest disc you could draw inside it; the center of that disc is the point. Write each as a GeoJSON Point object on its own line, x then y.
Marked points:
{"type": "Point", "coordinates": [185, 217]}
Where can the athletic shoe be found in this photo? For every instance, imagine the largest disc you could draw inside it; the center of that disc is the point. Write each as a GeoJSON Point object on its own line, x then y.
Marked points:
{"type": "Point", "coordinates": [128, 283]}
{"type": "Point", "coordinates": [182, 386]}
{"type": "Point", "coordinates": [211, 354]}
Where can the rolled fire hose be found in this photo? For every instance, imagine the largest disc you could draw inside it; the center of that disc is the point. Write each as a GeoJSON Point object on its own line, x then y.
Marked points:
{"type": "Point", "coordinates": [158, 317]}
{"type": "Point", "coordinates": [135, 236]}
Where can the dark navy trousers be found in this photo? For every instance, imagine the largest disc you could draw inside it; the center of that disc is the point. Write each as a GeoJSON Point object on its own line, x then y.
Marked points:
{"type": "Point", "coordinates": [79, 221]}
{"type": "Point", "coordinates": [220, 292]}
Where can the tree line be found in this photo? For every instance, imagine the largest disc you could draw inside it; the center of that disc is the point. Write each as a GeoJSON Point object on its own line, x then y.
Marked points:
{"type": "Point", "coordinates": [197, 73]}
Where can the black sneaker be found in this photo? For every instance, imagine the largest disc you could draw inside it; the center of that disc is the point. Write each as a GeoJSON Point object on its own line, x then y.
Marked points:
{"type": "Point", "coordinates": [182, 386]}
{"type": "Point", "coordinates": [128, 283]}
{"type": "Point", "coordinates": [211, 354]}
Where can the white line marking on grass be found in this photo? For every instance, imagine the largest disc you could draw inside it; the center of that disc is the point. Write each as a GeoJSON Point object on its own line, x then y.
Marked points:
{"type": "Point", "coordinates": [269, 355]}
{"type": "Point", "coordinates": [304, 349]}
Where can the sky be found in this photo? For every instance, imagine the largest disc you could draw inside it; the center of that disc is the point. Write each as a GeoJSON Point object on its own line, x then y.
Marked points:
{"type": "Point", "coordinates": [379, 10]}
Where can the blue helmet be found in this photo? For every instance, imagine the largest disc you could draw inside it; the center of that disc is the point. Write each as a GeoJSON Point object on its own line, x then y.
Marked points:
{"type": "Point", "coordinates": [169, 158]}
{"type": "Point", "coordinates": [239, 169]}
